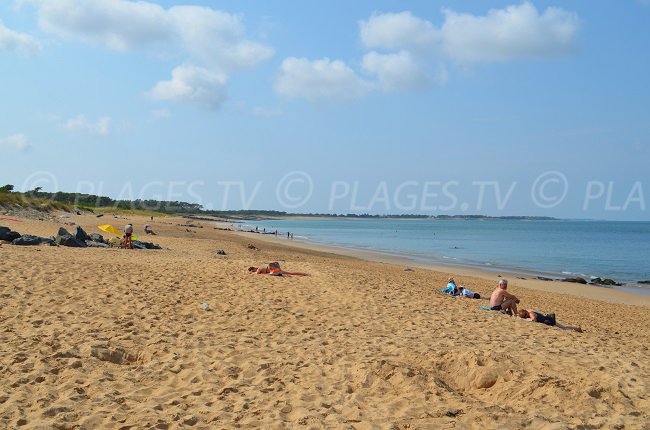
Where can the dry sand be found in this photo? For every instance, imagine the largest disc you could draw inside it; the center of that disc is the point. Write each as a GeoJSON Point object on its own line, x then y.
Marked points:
{"type": "Point", "coordinates": [112, 338]}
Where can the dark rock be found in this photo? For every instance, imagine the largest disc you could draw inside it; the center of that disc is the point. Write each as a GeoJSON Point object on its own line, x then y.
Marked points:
{"type": "Point", "coordinates": [8, 235]}
{"type": "Point", "coordinates": [64, 238]}
{"type": "Point", "coordinates": [575, 280]}
{"type": "Point", "coordinates": [145, 245]}
{"type": "Point", "coordinates": [93, 244]}
{"type": "Point", "coordinates": [542, 278]}
{"type": "Point", "coordinates": [29, 240]}
{"type": "Point", "coordinates": [63, 232]}
{"type": "Point", "coordinates": [96, 237]}
{"type": "Point", "coordinates": [644, 282]}
{"type": "Point", "coordinates": [81, 234]}
{"type": "Point", "coordinates": [220, 252]}
{"type": "Point", "coordinates": [608, 281]}
{"type": "Point", "coordinates": [73, 242]}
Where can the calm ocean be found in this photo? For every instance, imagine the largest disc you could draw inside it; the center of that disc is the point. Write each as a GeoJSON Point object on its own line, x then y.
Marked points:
{"type": "Point", "coordinates": [608, 249]}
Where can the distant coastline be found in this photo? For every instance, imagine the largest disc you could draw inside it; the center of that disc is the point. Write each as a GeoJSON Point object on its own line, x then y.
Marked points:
{"type": "Point", "coordinates": [91, 202]}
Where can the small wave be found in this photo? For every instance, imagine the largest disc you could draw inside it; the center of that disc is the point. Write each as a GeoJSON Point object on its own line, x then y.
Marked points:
{"type": "Point", "coordinates": [582, 275]}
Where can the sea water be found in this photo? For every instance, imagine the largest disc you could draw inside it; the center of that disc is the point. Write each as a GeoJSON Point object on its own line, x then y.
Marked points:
{"type": "Point", "coordinates": [560, 248]}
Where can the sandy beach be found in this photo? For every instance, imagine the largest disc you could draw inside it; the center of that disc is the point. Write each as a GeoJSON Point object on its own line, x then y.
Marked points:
{"type": "Point", "coordinates": [115, 338]}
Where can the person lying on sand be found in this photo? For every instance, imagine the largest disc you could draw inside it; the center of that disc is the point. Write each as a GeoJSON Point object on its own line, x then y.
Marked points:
{"type": "Point", "coordinates": [548, 319]}
{"type": "Point", "coordinates": [501, 300]}
{"type": "Point", "coordinates": [274, 269]}
{"type": "Point", "coordinates": [468, 294]}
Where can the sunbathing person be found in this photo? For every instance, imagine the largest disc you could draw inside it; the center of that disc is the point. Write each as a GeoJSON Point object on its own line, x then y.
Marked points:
{"type": "Point", "coordinates": [548, 319]}
{"type": "Point", "coordinates": [468, 294]}
{"type": "Point", "coordinates": [274, 269]}
{"type": "Point", "coordinates": [501, 300]}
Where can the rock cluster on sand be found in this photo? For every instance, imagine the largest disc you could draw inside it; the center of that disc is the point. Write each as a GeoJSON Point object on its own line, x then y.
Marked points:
{"type": "Point", "coordinates": [64, 238]}
{"type": "Point", "coordinates": [606, 281]}
{"type": "Point", "coordinates": [30, 240]}
{"type": "Point", "coordinates": [80, 239]}
{"type": "Point", "coordinates": [575, 280]}
{"type": "Point", "coordinates": [594, 281]}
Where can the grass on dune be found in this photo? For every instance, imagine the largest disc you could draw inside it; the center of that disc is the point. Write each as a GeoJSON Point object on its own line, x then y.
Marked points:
{"type": "Point", "coordinates": [20, 200]}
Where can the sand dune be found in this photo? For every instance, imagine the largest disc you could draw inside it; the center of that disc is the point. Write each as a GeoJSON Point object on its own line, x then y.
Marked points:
{"type": "Point", "coordinates": [111, 338]}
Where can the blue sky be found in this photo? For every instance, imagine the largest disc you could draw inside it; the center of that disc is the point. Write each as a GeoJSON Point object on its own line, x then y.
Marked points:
{"type": "Point", "coordinates": [500, 108]}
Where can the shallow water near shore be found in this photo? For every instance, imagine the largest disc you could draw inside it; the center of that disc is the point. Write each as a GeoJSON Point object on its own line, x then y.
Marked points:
{"type": "Point", "coordinates": [556, 248]}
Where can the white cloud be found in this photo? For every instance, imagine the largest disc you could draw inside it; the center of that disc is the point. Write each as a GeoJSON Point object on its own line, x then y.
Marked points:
{"type": "Point", "coordinates": [13, 41]}
{"type": "Point", "coordinates": [195, 85]}
{"type": "Point", "coordinates": [17, 141]}
{"type": "Point", "coordinates": [516, 32]}
{"type": "Point", "coordinates": [214, 41]}
{"type": "Point", "coordinates": [396, 31]}
{"type": "Point", "coordinates": [407, 52]}
{"type": "Point", "coordinates": [216, 38]}
{"type": "Point", "coordinates": [118, 24]}
{"type": "Point", "coordinates": [101, 127]}
{"type": "Point", "coordinates": [319, 80]}
{"type": "Point", "coordinates": [395, 71]}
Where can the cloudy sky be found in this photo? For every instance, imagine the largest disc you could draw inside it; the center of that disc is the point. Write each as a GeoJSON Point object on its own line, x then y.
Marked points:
{"type": "Point", "coordinates": [501, 108]}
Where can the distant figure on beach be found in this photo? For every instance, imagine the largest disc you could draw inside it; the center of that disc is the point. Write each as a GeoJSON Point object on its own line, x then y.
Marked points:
{"type": "Point", "coordinates": [468, 294]}
{"type": "Point", "coordinates": [148, 229]}
{"type": "Point", "coordinates": [274, 269]}
{"type": "Point", "coordinates": [501, 300]}
{"type": "Point", "coordinates": [288, 235]}
{"type": "Point", "coordinates": [291, 236]}
{"type": "Point", "coordinates": [548, 319]}
{"type": "Point", "coordinates": [128, 232]}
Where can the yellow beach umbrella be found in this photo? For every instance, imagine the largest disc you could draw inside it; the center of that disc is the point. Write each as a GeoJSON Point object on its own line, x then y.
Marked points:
{"type": "Point", "coordinates": [110, 229]}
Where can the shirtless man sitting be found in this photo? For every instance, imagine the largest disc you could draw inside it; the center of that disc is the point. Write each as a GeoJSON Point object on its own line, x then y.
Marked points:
{"type": "Point", "coordinates": [501, 300]}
